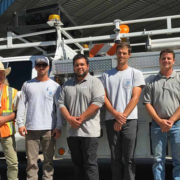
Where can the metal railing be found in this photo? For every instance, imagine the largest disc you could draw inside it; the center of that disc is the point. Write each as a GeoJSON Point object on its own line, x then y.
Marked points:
{"type": "Point", "coordinates": [117, 36]}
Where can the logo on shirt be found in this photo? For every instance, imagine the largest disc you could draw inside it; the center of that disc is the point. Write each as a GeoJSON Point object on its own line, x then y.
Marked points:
{"type": "Point", "coordinates": [49, 92]}
{"type": "Point", "coordinates": [127, 83]}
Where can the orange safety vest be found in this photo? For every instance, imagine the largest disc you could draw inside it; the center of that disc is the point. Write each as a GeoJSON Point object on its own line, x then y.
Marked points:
{"type": "Point", "coordinates": [7, 105]}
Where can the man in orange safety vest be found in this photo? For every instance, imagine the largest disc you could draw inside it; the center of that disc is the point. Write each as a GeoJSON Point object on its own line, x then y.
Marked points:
{"type": "Point", "coordinates": [8, 105]}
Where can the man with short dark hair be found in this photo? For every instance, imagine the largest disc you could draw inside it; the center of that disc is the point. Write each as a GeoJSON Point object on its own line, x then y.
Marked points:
{"type": "Point", "coordinates": [168, 51]}
{"type": "Point", "coordinates": [43, 124]}
{"type": "Point", "coordinates": [80, 101]}
{"type": "Point", "coordinates": [123, 86]}
{"type": "Point", "coordinates": [162, 99]}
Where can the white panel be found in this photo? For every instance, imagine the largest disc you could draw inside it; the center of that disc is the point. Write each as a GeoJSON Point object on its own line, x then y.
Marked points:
{"type": "Point", "coordinates": [143, 141]}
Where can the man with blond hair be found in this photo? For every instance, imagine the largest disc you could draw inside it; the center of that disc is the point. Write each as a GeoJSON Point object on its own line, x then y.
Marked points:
{"type": "Point", "coordinates": [123, 86]}
{"type": "Point", "coordinates": [8, 106]}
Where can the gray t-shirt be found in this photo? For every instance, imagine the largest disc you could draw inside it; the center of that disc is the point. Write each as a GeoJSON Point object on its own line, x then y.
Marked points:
{"type": "Point", "coordinates": [41, 109]}
{"type": "Point", "coordinates": [163, 94]}
{"type": "Point", "coordinates": [119, 85]}
{"type": "Point", "coordinates": [77, 97]}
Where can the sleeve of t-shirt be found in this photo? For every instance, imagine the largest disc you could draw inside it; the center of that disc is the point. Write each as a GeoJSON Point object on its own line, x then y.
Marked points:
{"type": "Point", "coordinates": [138, 78]}
{"type": "Point", "coordinates": [16, 100]}
{"type": "Point", "coordinates": [147, 98]}
{"type": "Point", "coordinates": [61, 100]}
{"type": "Point", "coordinates": [98, 93]}
{"type": "Point", "coordinates": [58, 113]}
{"type": "Point", "coordinates": [22, 106]}
{"type": "Point", "coordinates": [103, 80]}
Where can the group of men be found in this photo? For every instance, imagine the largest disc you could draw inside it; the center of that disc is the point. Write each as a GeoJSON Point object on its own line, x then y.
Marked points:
{"type": "Point", "coordinates": [79, 102]}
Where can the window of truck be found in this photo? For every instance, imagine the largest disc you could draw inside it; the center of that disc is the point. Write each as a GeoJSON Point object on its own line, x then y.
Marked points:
{"type": "Point", "coordinates": [20, 72]}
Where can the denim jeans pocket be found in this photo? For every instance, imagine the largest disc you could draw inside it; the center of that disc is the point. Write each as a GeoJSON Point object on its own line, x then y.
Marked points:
{"type": "Point", "coordinates": [154, 124]}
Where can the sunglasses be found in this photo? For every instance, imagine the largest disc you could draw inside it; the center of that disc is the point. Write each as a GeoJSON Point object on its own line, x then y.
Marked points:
{"type": "Point", "coordinates": [43, 65]}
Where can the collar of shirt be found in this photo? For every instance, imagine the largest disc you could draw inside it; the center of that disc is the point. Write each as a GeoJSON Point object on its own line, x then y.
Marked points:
{"type": "Point", "coordinates": [85, 79]}
{"type": "Point", "coordinates": [164, 77]}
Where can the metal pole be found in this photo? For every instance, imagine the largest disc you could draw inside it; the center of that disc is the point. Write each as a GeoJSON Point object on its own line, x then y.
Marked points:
{"type": "Point", "coordinates": [122, 22]}
{"type": "Point", "coordinates": [87, 39]}
{"type": "Point", "coordinates": [30, 34]}
{"type": "Point", "coordinates": [169, 23]}
{"type": "Point", "coordinates": [117, 30]}
{"type": "Point", "coordinates": [60, 49]}
{"type": "Point", "coordinates": [87, 26]}
{"type": "Point", "coordinates": [9, 39]}
{"type": "Point", "coordinates": [38, 48]}
{"type": "Point", "coordinates": [70, 37]}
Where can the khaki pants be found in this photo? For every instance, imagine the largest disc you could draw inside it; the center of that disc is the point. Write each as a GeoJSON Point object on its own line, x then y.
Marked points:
{"type": "Point", "coordinates": [33, 140]}
{"type": "Point", "coordinates": [9, 148]}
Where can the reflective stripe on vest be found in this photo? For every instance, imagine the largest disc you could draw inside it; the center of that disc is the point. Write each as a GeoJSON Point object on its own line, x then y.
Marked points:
{"type": "Point", "coordinates": [7, 98]}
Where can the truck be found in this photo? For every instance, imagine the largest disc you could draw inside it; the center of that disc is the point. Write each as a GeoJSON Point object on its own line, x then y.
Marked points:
{"type": "Point", "coordinates": [61, 69]}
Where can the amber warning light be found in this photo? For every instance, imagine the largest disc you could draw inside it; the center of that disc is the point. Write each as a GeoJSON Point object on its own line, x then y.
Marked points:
{"type": "Point", "coordinates": [62, 151]}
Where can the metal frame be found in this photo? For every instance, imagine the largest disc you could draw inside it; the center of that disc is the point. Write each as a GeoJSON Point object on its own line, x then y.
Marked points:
{"type": "Point", "coordinates": [147, 62]}
{"type": "Point", "coordinates": [99, 64]}
{"type": "Point", "coordinates": [117, 36]}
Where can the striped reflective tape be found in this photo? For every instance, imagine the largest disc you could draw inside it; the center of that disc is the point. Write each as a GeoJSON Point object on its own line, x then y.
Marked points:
{"type": "Point", "coordinates": [109, 48]}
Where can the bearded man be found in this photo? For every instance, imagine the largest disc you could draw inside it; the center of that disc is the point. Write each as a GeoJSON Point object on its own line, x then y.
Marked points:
{"type": "Point", "coordinates": [80, 101]}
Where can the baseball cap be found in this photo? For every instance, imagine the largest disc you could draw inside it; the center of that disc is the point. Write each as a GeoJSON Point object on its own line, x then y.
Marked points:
{"type": "Point", "coordinates": [42, 59]}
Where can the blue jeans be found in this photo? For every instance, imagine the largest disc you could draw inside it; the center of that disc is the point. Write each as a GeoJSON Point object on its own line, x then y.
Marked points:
{"type": "Point", "coordinates": [159, 143]}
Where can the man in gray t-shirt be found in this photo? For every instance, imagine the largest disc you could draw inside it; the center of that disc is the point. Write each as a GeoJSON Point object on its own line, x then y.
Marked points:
{"type": "Point", "coordinates": [123, 86]}
{"type": "Point", "coordinates": [162, 99]}
{"type": "Point", "coordinates": [80, 101]}
{"type": "Point", "coordinates": [43, 124]}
